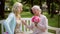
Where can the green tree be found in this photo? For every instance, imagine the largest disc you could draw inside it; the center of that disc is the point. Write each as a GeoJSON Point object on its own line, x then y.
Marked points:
{"type": "Point", "coordinates": [2, 9]}
{"type": "Point", "coordinates": [12, 2]}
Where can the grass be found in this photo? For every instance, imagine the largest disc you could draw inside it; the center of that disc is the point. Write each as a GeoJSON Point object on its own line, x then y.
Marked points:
{"type": "Point", "coordinates": [26, 15]}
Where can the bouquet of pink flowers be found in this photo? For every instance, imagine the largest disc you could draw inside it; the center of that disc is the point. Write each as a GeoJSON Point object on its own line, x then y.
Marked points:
{"type": "Point", "coordinates": [35, 19]}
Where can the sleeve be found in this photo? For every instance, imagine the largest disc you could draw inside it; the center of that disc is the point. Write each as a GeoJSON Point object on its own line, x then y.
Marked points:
{"type": "Point", "coordinates": [8, 20]}
{"type": "Point", "coordinates": [30, 26]}
{"type": "Point", "coordinates": [7, 27]}
{"type": "Point", "coordinates": [6, 24]}
{"type": "Point", "coordinates": [45, 23]}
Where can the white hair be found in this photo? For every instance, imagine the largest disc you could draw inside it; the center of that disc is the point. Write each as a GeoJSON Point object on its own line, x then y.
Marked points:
{"type": "Point", "coordinates": [15, 6]}
{"type": "Point", "coordinates": [36, 7]}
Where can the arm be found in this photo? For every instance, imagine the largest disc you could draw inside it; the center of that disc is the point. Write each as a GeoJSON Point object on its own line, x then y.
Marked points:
{"type": "Point", "coordinates": [6, 24]}
{"type": "Point", "coordinates": [8, 20]}
{"type": "Point", "coordinates": [7, 27]}
{"type": "Point", "coordinates": [45, 26]}
{"type": "Point", "coordinates": [30, 27]}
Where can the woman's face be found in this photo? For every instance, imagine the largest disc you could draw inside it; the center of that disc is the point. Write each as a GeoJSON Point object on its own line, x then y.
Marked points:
{"type": "Point", "coordinates": [35, 11]}
{"type": "Point", "coordinates": [19, 9]}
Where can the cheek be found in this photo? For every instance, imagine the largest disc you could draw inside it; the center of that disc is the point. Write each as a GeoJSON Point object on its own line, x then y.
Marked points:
{"type": "Point", "coordinates": [33, 11]}
{"type": "Point", "coordinates": [21, 9]}
{"type": "Point", "coordinates": [36, 12]}
{"type": "Point", "coordinates": [18, 10]}
{"type": "Point", "coordinates": [40, 12]}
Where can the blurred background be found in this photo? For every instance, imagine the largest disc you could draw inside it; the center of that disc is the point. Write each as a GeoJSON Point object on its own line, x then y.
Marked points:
{"type": "Point", "coordinates": [50, 8]}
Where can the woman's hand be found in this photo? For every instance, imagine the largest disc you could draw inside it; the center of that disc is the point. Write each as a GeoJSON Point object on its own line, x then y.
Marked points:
{"type": "Point", "coordinates": [24, 22]}
{"type": "Point", "coordinates": [36, 24]}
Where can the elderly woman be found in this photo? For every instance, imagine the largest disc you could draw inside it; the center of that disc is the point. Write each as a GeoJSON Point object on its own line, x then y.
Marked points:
{"type": "Point", "coordinates": [41, 27]}
{"type": "Point", "coordinates": [13, 22]}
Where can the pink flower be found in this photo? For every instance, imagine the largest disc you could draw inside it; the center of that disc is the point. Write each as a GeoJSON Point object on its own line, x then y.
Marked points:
{"type": "Point", "coordinates": [36, 19]}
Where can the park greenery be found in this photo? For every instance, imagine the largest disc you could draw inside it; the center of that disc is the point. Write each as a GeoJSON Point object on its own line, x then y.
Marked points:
{"type": "Point", "coordinates": [51, 12]}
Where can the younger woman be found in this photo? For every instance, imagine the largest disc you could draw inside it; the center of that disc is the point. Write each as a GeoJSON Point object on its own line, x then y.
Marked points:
{"type": "Point", "coordinates": [13, 22]}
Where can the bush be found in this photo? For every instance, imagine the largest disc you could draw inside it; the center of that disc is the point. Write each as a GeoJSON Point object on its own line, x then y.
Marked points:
{"type": "Point", "coordinates": [26, 8]}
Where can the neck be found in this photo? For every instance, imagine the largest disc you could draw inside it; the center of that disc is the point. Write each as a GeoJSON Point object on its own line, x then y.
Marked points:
{"type": "Point", "coordinates": [37, 15]}
{"type": "Point", "coordinates": [17, 15]}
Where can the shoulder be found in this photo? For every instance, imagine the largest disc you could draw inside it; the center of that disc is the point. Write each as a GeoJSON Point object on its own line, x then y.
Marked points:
{"type": "Point", "coordinates": [44, 17]}
{"type": "Point", "coordinates": [11, 15]}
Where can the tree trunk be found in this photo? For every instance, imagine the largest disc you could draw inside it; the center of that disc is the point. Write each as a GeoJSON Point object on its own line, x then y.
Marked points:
{"type": "Point", "coordinates": [32, 3]}
{"type": "Point", "coordinates": [40, 3]}
{"type": "Point", "coordinates": [59, 17]}
{"type": "Point", "coordinates": [53, 9]}
{"type": "Point", "coordinates": [58, 0]}
{"type": "Point", "coordinates": [48, 4]}
{"type": "Point", "coordinates": [2, 4]}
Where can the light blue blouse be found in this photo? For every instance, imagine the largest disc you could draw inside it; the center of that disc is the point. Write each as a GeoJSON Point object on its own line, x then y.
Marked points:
{"type": "Point", "coordinates": [10, 23]}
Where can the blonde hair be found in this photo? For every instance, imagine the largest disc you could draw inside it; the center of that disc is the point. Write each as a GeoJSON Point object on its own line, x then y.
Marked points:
{"type": "Point", "coordinates": [14, 8]}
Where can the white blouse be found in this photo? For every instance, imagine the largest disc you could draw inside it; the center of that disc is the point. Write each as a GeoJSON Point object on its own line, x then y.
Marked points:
{"type": "Point", "coordinates": [43, 24]}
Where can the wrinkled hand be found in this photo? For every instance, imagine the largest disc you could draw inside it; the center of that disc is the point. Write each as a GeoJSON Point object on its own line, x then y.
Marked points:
{"type": "Point", "coordinates": [36, 24]}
